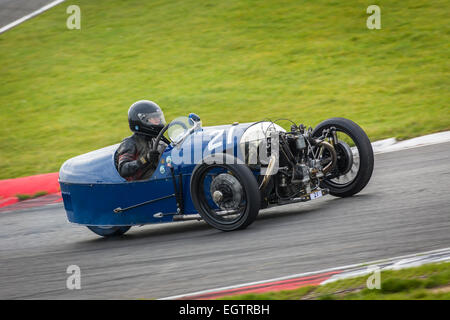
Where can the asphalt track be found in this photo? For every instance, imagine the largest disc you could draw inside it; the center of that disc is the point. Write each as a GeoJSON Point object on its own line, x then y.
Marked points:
{"type": "Point", "coordinates": [405, 209]}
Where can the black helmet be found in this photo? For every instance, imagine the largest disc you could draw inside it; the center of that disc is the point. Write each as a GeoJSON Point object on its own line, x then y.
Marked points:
{"type": "Point", "coordinates": [146, 117]}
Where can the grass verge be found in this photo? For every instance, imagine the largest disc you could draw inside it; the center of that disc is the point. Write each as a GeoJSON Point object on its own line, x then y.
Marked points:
{"type": "Point", "coordinates": [430, 281]}
{"type": "Point", "coordinates": [23, 197]}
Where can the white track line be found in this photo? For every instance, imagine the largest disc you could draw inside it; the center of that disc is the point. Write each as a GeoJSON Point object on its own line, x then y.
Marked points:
{"type": "Point", "coordinates": [391, 144]}
{"type": "Point", "coordinates": [31, 15]}
{"type": "Point", "coordinates": [366, 265]}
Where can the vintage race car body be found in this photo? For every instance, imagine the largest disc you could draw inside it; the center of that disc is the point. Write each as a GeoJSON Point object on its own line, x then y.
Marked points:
{"type": "Point", "coordinates": [92, 188]}
{"type": "Point", "coordinates": [221, 174]}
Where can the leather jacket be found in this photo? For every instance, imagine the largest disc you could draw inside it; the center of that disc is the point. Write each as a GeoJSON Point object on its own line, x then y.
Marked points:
{"type": "Point", "coordinates": [131, 157]}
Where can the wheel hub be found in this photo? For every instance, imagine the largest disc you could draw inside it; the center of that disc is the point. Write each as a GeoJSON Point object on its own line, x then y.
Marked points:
{"type": "Point", "coordinates": [226, 191]}
{"type": "Point", "coordinates": [345, 157]}
{"type": "Point", "coordinates": [217, 196]}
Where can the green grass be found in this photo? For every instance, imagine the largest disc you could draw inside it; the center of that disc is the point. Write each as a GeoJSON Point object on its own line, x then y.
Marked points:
{"type": "Point", "coordinates": [66, 92]}
{"type": "Point", "coordinates": [22, 197]}
{"type": "Point", "coordinates": [430, 281]}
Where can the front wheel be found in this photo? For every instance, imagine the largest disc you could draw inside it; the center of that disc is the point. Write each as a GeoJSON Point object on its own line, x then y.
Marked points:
{"type": "Point", "coordinates": [354, 157]}
{"type": "Point", "coordinates": [109, 231]}
{"type": "Point", "coordinates": [225, 194]}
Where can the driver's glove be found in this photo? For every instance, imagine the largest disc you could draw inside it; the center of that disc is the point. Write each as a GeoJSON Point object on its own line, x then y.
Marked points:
{"type": "Point", "coordinates": [152, 157]}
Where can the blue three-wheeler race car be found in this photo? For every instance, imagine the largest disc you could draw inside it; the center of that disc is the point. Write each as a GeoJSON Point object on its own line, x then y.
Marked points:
{"type": "Point", "coordinates": [221, 174]}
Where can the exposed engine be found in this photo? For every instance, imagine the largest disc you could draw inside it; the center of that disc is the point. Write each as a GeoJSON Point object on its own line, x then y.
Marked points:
{"type": "Point", "coordinates": [303, 161]}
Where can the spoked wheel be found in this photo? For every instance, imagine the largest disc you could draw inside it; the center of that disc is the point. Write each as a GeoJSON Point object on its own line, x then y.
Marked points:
{"type": "Point", "coordinates": [354, 152]}
{"type": "Point", "coordinates": [109, 231]}
{"type": "Point", "coordinates": [225, 195]}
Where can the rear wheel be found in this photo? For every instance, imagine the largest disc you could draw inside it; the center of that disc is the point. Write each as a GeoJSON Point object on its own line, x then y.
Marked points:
{"type": "Point", "coordinates": [354, 158]}
{"type": "Point", "coordinates": [226, 195]}
{"type": "Point", "coordinates": [109, 231]}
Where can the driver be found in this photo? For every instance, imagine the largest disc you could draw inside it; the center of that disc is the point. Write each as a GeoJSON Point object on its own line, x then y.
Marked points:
{"type": "Point", "coordinates": [135, 159]}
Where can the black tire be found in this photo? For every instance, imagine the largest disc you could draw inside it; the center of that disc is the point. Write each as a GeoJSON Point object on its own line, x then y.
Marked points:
{"type": "Point", "coordinates": [248, 183]}
{"type": "Point", "coordinates": [365, 151]}
{"type": "Point", "coordinates": [109, 232]}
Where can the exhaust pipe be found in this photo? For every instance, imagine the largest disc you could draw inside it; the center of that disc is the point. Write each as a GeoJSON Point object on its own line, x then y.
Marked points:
{"type": "Point", "coordinates": [188, 217]}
